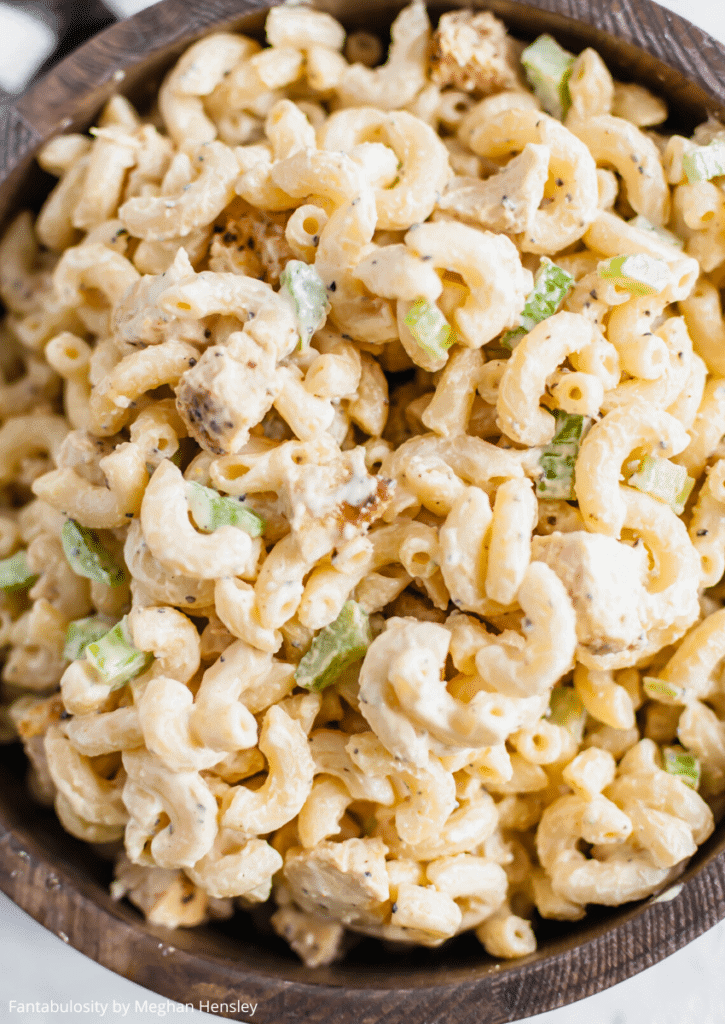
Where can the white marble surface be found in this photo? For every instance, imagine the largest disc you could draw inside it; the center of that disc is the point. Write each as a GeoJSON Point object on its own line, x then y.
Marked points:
{"type": "Point", "coordinates": [38, 968]}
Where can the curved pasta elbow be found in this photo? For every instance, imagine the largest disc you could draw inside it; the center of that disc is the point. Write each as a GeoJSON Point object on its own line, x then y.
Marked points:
{"type": "Point", "coordinates": [172, 639]}
{"type": "Point", "coordinates": [187, 800]}
{"type": "Point", "coordinates": [288, 783]}
{"type": "Point", "coordinates": [550, 638]}
{"type": "Point", "coordinates": [604, 449]}
{"type": "Point", "coordinates": [160, 218]}
{"type": "Point", "coordinates": [533, 361]}
{"type": "Point", "coordinates": [237, 872]}
{"type": "Point", "coordinates": [173, 540]}
{"type": "Point", "coordinates": [491, 267]}
{"type": "Point", "coordinates": [99, 508]}
{"type": "Point", "coordinates": [164, 709]}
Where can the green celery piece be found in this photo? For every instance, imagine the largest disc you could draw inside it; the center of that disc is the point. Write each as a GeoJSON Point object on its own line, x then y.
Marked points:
{"type": "Point", "coordinates": [15, 574]}
{"type": "Point", "coordinates": [510, 339]}
{"type": "Point", "coordinates": [678, 506]}
{"type": "Point", "coordinates": [551, 285]}
{"type": "Point", "coordinates": [335, 648]}
{"type": "Point", "coordinates": [429, 328]}
{"type": "Point", "coordinates": [664, 480]}
{"type": "Point", "coordinates": [115, 658]}
{"type": "Point", "coordinates": [548, 69]}
{"type": "Point", "coordinates": [83, 632]}
{"type": "Point", "coordinates": [210, 510]}
{"type": "Point", "coordinates": [701, 163]}
{"type": "Point", "coordinates": [306, 289]}
{"type": "Point", "coordinates": [567, 710]}
{"type": "Point", "coordinates": [88, 557]}
{"type": "Point", "coordinates": [640, 274]}
{"type": "Point", "coordinates": [558, 458]}
{"type": "Point", "coordinates": [661, 690]}
{"type": "Point", "coordinates": [682, 764]}
{"type": "Point", "coordinates": [662, 233]}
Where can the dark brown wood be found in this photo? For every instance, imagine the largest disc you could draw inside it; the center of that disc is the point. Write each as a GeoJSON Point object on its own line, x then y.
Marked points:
{"type": "Point", "coordinates": [63, 885]}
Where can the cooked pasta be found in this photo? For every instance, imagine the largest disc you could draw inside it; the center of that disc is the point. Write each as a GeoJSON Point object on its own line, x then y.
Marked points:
{"type": "Point", "coordinates": [361, 474]}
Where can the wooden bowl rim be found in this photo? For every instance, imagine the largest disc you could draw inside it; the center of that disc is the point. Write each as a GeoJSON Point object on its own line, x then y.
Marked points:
{"type": "Point", "coordinates": [41, 883]}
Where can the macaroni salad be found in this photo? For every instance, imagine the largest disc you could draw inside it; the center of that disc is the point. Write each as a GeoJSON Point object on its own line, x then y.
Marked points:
{"type": "Point", "coordinates": [363, 485]}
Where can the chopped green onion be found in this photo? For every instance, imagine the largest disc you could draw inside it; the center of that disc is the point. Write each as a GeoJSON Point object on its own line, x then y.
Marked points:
{"type": "Point", "coordinates": [429, 328]}
{"type": "Point", "coordinates": [558, 458]}
{"type": "Point", "coordinates": [683, 765]}
{"type": "Point", "coordinates": [83, 632]}
{"type": "Point", "coordinates": [210, 510]}
{"type": "Point", "coordinates": [640, 274]}
{"type": "Point", "coordinates": [548, 69]}
{"type": "Point", "coordinates": [664, 480]}
{"type": "Point", "coordinates": [700, 163]}
{"type": "Point", "coordinates": [567, 710]}
{"type": "Point", "coordinates": [551, 285]}
{"type": "Point", "coordinates": [88, 557]}
{"type": "Point", "coordinates": [335, 648]}
{"type": "Point", "coordinates": [15, 574]}
{"type": "Point", "coordinates": [306, 289]}
{"type": "Point", "coordinates": [661, 690]}
{"type": "Point", "coordinates": [115, 658]}
{"type": "Point", "coordinates": [663, 234]}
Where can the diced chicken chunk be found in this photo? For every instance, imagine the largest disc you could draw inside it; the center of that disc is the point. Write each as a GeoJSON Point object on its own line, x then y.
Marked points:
{"type": "Point", "coordinates": [338, 493]}
{"type": "Point", "coordinates": [605, 580]}
{"type": "Point", "coordinates": [32, 717]}
{"type": "Point", "coordinates": [207, 395]}
{"type": "Point", "coordinates": [316, 941]}
{"type": "Point", "coordinates": [165, 897]}
{"type": "Point", "coordinates": [138, 320]}
{"type": "Point", "coordinates": [82, 452]}
{"type": "Point", "coordinates": [472, 51]}
{"type": "Point", "coordinates": [506, 201]}
{"type": "Point", "coordinates": [346, 881]}
{"type": "Point", "coordinates": [253, 245]}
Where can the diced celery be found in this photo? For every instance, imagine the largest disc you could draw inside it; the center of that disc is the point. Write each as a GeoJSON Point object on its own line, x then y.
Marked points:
{"type": "Point", "coordinates": [551, 285]}
{"type": "Point", "coordinates": [567, 710]}
{"type": "Point", "coordinates": [678, 506]}
{"type": "Point", "coordinates": [700, 163]}
{"type": "Point", "coordinates": [663, 234]}
{"type": "Point", "coordinates": [15, 574]}
{"type": "Point", "coordinates": [429, 328]}
{"type": "Point", "coordinates": [682, 764]}
{"type": "Point", "coordinates": [661, 690]}
{"type": "Point", "coordinates": [640, 274]}
{"type": "Point", "coordinates": [664, 480]}
{"type": "Point", "coordinates": [335, 648]}
{"type": "Point", "coordinates": [510, 339]}
{"type": "Point", "coordinates": [548, 68]}
{"type": "Point", "coordinates": [558, 458]}
{"type": "Point", "coordinates": [210, 510]}
{"type": "Point", "coordinates": [306, 289]}
{"type": "Point", "coordinates": [115, 658]}
{"type": "Point", "coordinates": [83, 632]}
{"type": "Point", "coordinates": [88, 557]}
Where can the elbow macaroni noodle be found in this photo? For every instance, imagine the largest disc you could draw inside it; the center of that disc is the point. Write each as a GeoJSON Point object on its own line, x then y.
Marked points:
{"type": "Point", "coordinates": [156, 357]}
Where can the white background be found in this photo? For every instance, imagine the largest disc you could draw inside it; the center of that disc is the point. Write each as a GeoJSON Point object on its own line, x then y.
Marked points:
{"type": "Point", "coordinates": [687, 988]}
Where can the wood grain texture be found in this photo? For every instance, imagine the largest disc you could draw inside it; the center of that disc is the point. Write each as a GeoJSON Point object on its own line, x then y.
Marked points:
{"type": "Point", "coordinates": [64, 886]}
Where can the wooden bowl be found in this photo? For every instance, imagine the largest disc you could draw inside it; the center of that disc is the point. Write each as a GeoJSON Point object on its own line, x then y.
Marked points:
{"type": "Point", "coordinates": [61, 883]}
